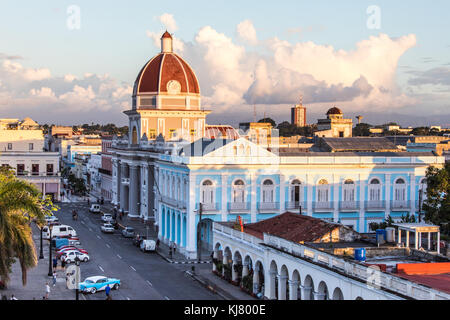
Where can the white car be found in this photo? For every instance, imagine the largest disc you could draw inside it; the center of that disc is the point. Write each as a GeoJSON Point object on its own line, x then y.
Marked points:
{"type": "Point", "coordinates": [106, 217]}
{"type": "Point", "coordinates": [107, 228]}
{"type": "Point", "coordinates": [69, 256]}
{"type": "Point", "coordinates": [51, 219]}
{"type": "Point", "coordinates": [95, 208]}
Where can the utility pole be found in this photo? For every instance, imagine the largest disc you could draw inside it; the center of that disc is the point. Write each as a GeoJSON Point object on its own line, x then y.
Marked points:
{"type": "Point", "coordinates": [199, 232]}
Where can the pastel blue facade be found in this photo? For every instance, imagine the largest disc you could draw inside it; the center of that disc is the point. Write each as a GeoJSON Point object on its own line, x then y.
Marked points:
{"type": "Point", "coordinates": [352, 189]}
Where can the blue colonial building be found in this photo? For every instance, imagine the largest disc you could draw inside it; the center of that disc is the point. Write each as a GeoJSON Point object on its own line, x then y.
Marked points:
{"type": "Point", "coordinates": [232, 178]}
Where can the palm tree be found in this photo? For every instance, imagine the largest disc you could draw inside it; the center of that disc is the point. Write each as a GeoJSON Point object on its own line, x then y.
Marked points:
{"type": "Point", "coordinates": [20, 204]}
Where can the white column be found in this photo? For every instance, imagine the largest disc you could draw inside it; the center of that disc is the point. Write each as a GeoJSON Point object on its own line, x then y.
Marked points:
{"type": "Point", "coordinates": [255, 280]}
{"type": "Point", "coordinates": [224, 262]}
{"type": "Point", "coordinates": [253, 197]}
{"type": "Point", "coordinates": [416, 240]}
{"type": "Point", "coordinates": [305, 292]}
{"type": "Point", "coordinates": [215, 256]}
{"type": "Point", "coordinates": [399, 238]}
{"type": "Point", "coordinates": [245, 270]}
{"type": "Point", "coordinates": [191, 217]}
{"type": "Point", "coordinates": [438, 242]}
{"type": "Point", "coordinates": [413, 193]}
{"type": "Point", "coordinates": [429, 241]}
{"type": "Point", "coordinates": [388, 194]}
{"type": "Point", "coordinates": [293, 289]}
{"type": "Point", "coordinates": [282, 194]}
{"type": "Point", "coordinates": [282, 287]}
{"type": "Point", "coordinates": [319, 296]}
{"type": "Point", "coordinates": [309, 196]}
{"type": "Point", "coordinates": [362, 198]}
{"type": "Point", "coordinates": [270, 287]}
{"type": "Point", "coordinates": [224, 197]}
{"type": "Point", "coordinates": [407, 238]}
{"type": "Point", "coordinates": [336, 186]}
{"type": "Point", "coordinates": [234, 274]}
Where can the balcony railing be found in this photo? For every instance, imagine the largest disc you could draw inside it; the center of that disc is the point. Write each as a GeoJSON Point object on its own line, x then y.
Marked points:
{"type": "Point", "coordinates": [268, 205]}
{"type": "Point", "coordinates": [290, 205]}
{"type": "Point", "coordinates": [400, 205]}
{"type": "Point", "coordinates": [348, 205]}
{"type": "Point", "coordinates": [206, 207]}
{"type": "Point", "coordinates": [125, 180]}
{"type": "Point", "coordinates": [323, 205]}
{"type": "Point", "coordinates": [239, 206]}
{"type": "Point", "coordinates": [375, 205]}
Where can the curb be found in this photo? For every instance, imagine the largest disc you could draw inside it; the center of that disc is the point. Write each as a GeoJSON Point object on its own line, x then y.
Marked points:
{"type": "Point", "coordinates": [208, 286]}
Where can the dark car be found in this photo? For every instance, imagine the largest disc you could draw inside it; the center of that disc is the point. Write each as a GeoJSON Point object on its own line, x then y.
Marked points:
{"type": "Point", "coordinates": [138, 239]}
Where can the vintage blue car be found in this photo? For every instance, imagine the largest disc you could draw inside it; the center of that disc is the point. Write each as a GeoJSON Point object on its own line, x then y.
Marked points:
{"type": "Point", "coordinates": [98, 283]}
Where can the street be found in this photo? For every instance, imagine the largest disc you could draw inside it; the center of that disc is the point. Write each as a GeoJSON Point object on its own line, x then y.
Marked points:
{"type": "Point", "coordinates": [144, 276]}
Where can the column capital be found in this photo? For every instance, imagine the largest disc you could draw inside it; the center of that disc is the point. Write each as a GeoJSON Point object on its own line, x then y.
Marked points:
{"type": "Point", "coordinates": [293, 282]}
{"type": "Point", "coordinates": [281, 277]}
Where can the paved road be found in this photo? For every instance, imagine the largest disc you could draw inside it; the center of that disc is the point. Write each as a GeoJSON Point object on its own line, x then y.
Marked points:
{"type": "Point", "coordinates": [143, 276]}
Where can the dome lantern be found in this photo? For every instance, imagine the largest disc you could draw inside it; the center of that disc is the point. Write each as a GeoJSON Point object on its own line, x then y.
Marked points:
{"type": "Point", "coordinates": [166, 43]}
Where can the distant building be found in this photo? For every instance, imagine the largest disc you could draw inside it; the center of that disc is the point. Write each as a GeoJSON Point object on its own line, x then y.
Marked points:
{"type": "Point", "coordinates": [106, 169]}
{"type": "Point", "coordinates": [22, 149]}
{"type": "Point", "coordinates": [221, 132]}
{"type": "Point", "coordinates": [298, 115]}
{"type": "Point", "coordinates": [60, 131]}
{"type": "Point", "coordinates": [354, 144]}
{"type": "Point", "coordinates": [257, 132]}
{"type": "Point", "coordinates": [335, 126]}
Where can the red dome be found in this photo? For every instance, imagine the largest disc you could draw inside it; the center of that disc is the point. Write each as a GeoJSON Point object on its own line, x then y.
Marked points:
{"type": "Point", "coordinates": [334, 110]}
{"type": "Point", "coordinates": [163, 68]}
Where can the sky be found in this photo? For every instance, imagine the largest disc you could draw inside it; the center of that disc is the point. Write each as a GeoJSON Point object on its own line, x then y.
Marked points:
{"type": "Point", "coordinates": [74, 62]}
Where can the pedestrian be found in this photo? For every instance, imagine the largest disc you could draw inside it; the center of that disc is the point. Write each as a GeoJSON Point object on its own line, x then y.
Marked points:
{"type": "Point", "coordinates": [89, 200]}
{"type": "Point", "coordinates": [174, 248]}
{"type": "Point", "coordinates": [157, 244]}
{"type": "Point", "coordinates": [55, 263]}
{"type": "Point", "coordinates": [13, 297]}
{"type": "Point", "coordinates": [63, 264]}
{"type": "Point", "coordinates": [47, 291]}
{"type": "Point", "coordinates": [107, 290]}
{"type": "Point", "coordinates": [54, 278]}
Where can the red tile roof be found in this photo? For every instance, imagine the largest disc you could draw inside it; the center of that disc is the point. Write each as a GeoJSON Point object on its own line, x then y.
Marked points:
{"type": "Point", "coordinates": [292, 227]}
{"type": "Point", "coordinates": [437, 281]}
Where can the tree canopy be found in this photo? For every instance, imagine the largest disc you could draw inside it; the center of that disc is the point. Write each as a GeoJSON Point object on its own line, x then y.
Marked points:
{"type": "Point", "coordinates": [20, 204]}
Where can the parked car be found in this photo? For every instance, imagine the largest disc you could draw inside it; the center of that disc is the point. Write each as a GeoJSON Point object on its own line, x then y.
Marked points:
{"type": "Point", "coordinates": [59, 231]}
{"type": "Point", "coordinates": [51, 220]}
{"type": "Point", "coordinates": [95, 208]}
{"type": "Point", "coordinates": [106, 217]}
{"type": "Point", "coordinates": [138, 239]}
{"type": "Point", "coordinates": [98, 283]}
{"type": "Point", "coordinates": [148, 245]}
{"type": "Point", "coordinates": [107, 228]}
{"type": "Point", "coordinates": [128, 232]}
{"type": "Point", "coordinates": [61, 253]}
{"type": "Point", "coordinates": [69, 256]}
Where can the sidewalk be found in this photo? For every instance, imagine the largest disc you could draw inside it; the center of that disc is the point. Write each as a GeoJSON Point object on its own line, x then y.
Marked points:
{"type": "Point", "coordinates": [37, 278]}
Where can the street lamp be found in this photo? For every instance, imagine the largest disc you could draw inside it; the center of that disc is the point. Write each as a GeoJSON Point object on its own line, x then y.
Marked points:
{"type": "Point", "coordinates": [77, 282]}
{"type": "Point", "coordinates": [199, 233]}
{"type": "Point", "coordinates": [41, 251]}
{"type": "Point", "coordinates": [50, 270]}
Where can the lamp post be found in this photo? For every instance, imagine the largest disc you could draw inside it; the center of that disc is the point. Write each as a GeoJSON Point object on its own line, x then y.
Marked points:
{"type": "Point", "coordinates": [41, 251]}
{"type": "Point", "coordinates": [199, 233]}
{"type": "Point", "coordinates": [420, 204]}
{"type": "Point", "coordinates": [77, 280]}
{"type": "Point", "coordinates": [50, 269]}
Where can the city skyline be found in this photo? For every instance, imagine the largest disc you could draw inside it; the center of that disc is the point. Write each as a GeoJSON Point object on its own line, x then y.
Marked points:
{"type": "Point", "coordinates": [83, 70]}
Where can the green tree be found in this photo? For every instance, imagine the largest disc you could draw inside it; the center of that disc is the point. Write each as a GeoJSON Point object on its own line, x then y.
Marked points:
{"type": "Point", "coordinates": [437, 203]}
{"type": "Point", "coordinates": [20, 204]}
{"type": "Point", "coordinates": [268, 120]}
{"type": "Point", "coordinates": [362, 130]}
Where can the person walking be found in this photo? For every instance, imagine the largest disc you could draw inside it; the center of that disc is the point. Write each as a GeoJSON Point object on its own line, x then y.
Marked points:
{"type": "Point", "coordinates": [13, 297]}
{"type": "Point", "coordinates": [54, 278]}
{"type": "Point", "coordinates": [174, 248]}
{"type": "Point", "coordinates": [55, 263]}
{"type": "Point", "coordinates": [63, 264]}
{"type": "Point", "coordinates": [47, 291]}
{"type": "Point", "coordinates": [157, 244]}
{"type": "Point", "coordinates": [107, 290]}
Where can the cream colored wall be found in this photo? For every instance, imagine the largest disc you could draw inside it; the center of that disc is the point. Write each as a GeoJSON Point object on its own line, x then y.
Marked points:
{"type": "Point", "coordinates": [20, 140]}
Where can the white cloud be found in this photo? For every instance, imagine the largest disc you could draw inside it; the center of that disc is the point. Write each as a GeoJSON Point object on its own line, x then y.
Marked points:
{"type": "Point", "coordinates": [169, 22]}
{"type": "Point", "coordinates": [246, 31]}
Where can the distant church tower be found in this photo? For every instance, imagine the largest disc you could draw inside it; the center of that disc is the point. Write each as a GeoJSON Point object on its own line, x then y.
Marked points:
{"type": "Point", "coordinates": [298, 114]}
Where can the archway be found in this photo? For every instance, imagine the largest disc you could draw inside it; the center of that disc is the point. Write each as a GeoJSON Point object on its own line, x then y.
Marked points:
{"type": "Point", "coordinates": [163, 222]}
{"type": "Point", "coordinates": [337, 294]}
{"type": "Point", "coordinates": [308, 288]}
{"type": "Point", "coordinates": [273, 281]}
{"type": "Point", "coordinates": [178, 240]}
{"type": "Point", "coordinates": [294, 286]}
{"type": "Point", "coordinates": [237, 268]}
{"type": "Point", "coordinates": [258, 279]}
{"type": "Point", "coordinates": [217, 260]}
{"type": "Point", "coordinates": [227, 264]}
{"type": "Point", "coordinates": [322, 291]}
{"type": "Point", "coordinates": [283, 289]}
{"type": "Point", "coordinates": [247, 275]}
{"type": "Point", "coordinates": [184, 231]}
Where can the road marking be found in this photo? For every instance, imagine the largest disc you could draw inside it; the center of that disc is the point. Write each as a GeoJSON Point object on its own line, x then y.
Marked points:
{"type": "Point", "coordinates": [100, 267]}
{"type": "Point", "coordinates": [132, 268]}
{"type": "Point", "coordinates": [82, 222]}
{"type": "Point", "coordinates": [90, 229]}
{"type": "Point", "coordinates": [128, 298]}
{"type": "Point", "coordinates": [119, 257]}
{"type": "Point", "coordinates": [149, 283]}
{"type": "Point", "coordinates": [166, 297]}
{"type": "Point", "coordinates": [108, 245]}
{"type": "Point", "coordinates": [98, 237]}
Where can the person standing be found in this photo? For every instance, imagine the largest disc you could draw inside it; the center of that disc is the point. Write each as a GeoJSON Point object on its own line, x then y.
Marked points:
{"type": "Point", "coordinates": [107, 290]}
{"type": "Point", "coordinates": [47, 291]}
{"type": "Point", "coordinates": [54, 278]}
{"type": "Point", "coordinates": [55, 263]}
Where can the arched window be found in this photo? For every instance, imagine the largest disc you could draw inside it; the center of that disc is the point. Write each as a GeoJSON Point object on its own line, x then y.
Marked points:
{"type": "Point", "coordinates": [268, 191]}
{"type": "Point", "coordinates": [239, 191]}
{"type": "Point", "coordinates": [296, 191]}
{"type": "Point", "coordinates": [375, 190]}
{"type": "Point", "coordinates": [207, 192]}
{"type": "Point", "coordinates": [400, 190]}
{"type": "Point", "coordinates": [172, 190]}
{"type": "Point", "coordinates": [348, 191]}
{"type": "Point", "coordinates": [323, 191]}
